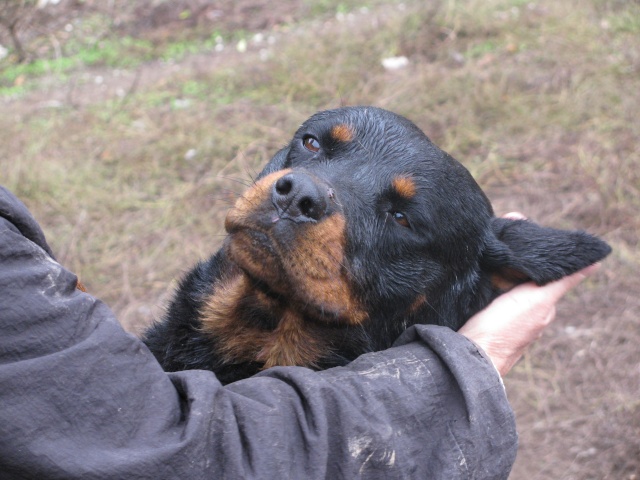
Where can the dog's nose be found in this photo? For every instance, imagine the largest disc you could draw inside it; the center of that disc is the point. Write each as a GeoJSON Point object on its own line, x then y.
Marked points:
{"type": "Point", "coordinates": [298, 197]}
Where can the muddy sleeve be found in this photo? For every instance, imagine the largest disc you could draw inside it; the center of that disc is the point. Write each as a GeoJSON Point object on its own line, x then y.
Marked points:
{"type": "Point", "coordinates": [82, 399]}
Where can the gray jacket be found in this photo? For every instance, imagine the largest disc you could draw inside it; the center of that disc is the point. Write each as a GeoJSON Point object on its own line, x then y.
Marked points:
{"type": "Point", "coordinates": [82, 399]}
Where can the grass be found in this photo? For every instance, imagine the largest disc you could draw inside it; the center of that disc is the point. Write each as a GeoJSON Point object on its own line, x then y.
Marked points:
{"type": "Point", "coordinates": [538, 99]}
{"type": "Point", "coordinates": [123, 52]}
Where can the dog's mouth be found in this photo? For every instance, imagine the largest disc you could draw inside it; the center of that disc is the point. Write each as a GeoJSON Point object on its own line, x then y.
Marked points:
{"type": "Point", "coordinates": [287, 234]}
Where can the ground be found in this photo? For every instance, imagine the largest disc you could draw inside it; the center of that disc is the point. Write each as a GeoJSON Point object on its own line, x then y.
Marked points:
{"type": "Point", "coordinates": [131, 126]}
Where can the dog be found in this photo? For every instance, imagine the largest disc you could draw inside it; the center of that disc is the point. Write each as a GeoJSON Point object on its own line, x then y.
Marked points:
{"type": "Point", "coordinates": [359, 228]}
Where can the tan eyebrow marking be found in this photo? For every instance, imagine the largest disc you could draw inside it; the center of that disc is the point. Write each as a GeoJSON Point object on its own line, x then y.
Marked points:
{"type": "Point", "coordinates": [405, 187]}
{"type": "Point", "coordinates": [342, 132]}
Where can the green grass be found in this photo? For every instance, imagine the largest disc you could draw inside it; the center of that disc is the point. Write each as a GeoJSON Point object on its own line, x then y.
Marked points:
{"type": "Point", "coordinates": [10, 74]}
{"type": "Point", "coordinates": [125, 52]}
{"type": "Point", "coordinates": [626, 21]}
{"type": "Point", "coordinates": [338, 7]}
{"type": "Point", "coordinates": [111, 52]}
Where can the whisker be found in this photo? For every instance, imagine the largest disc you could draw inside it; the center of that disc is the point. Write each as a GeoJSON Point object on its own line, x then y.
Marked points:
{"type": "Point", "coordinates": [252, 175]}
{"type": "Point", "coordinates": [225, 191]}
{"type": "Point", "coordinates": [436, 312]}
{"type": "Point", "coordinates": [225, 201]}
{"type": "Point", "coordinates": [241, 181]}
{"type": "Point", "coordinates": [226, 194]}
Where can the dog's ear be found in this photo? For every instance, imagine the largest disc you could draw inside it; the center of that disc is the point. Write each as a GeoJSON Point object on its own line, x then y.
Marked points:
{"type": "Point", "coordinates": [518, 251]}
{"type": "Point", "coordinates": [278, 162]}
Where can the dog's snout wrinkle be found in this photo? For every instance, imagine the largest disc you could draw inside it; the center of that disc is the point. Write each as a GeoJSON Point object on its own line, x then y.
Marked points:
{"type": "Point", "coordinates": [298, 197]}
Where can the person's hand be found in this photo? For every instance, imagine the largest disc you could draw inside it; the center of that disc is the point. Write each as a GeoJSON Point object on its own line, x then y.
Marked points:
{"type": "Point", "coordinates": [517, 318]}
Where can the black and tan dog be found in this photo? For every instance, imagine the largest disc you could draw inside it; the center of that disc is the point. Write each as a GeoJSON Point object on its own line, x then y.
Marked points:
{"type": "Point", "coordinates": [357, 229]}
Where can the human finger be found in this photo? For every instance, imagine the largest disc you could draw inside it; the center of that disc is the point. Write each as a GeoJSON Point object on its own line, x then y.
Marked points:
{"type": "Point", "coordinates": [556, 290]}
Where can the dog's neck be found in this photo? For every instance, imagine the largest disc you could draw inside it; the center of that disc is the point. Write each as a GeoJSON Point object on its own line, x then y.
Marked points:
{"type": "Point", "coordinates": [248, 325]}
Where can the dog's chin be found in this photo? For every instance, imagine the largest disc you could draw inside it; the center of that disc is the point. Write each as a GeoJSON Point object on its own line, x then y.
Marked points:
{"type": "Point", "coordinates": [253, 252]}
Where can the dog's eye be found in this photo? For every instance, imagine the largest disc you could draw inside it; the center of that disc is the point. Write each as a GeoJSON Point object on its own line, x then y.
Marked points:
{"type": "Point", "coordinates": [400, 218]}
{"type": "Point", "coordinates": [311, 143]}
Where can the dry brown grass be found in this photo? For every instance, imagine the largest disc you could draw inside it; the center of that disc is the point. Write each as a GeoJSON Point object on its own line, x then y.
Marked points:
{"type": "Point", "coordinates": [130, 170]}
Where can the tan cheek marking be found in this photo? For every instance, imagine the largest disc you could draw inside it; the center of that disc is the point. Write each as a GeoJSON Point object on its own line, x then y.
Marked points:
{"type": "Point", "coordinates": [252, 199]}
{"type": "Point", "coordinates": [315, 266]}
{"type": "Point", "coordinates": [238, 340]}
{"type": "Point", "coordinates": [405, 187]}
{"type": "Point", "coordinates": [342, 133]}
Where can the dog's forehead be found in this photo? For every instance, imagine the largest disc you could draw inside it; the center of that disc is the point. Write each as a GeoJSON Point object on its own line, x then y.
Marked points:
{"type": "Point", "coordinates": [369, 151]}
{"type": "Point", "coordinates": [371, 135]}
{"type": "Point", "coordinates": [370, 125]}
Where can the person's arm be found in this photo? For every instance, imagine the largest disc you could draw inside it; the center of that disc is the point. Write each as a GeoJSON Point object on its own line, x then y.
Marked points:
{"type": "Point", "coordinates": [81, 398]}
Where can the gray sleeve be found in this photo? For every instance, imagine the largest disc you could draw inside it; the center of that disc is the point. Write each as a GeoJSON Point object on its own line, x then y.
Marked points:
{"type": "Point", "coordinates": [81, 398]}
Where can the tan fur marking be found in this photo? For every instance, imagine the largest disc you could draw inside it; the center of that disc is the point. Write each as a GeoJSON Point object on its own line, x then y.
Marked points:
{"type": "Point", "coordinates": [501, 283]}
{"type": "Point", "coordinates": [252, 199]}
{"type": "Point", "coordinates": [238, 340]}
{"type": "Point", "coordinates": [315, 266]}
{"type": "Point", "coordinates": [259, 263]}
{"type": "Point", "coordinates": [342, 133]}
{"type": "Point", "coordinates": [80, 286]}
{"type": "Point", "coordinates": [290, 343]}
{"type": "Point", "coordinates": [405, 187]}
{"type": "Point", "coordinates": [417, 303]}
{"type": "Point", "coordinates": [507, 279]}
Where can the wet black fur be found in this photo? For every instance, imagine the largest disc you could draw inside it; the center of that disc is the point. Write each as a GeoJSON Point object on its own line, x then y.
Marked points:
{"type": "Point", "coordinates": [449, 252]}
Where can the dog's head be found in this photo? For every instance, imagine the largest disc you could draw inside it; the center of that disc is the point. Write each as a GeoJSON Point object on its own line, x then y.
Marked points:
{"type": "Point", "coordinates": [360, 218]}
